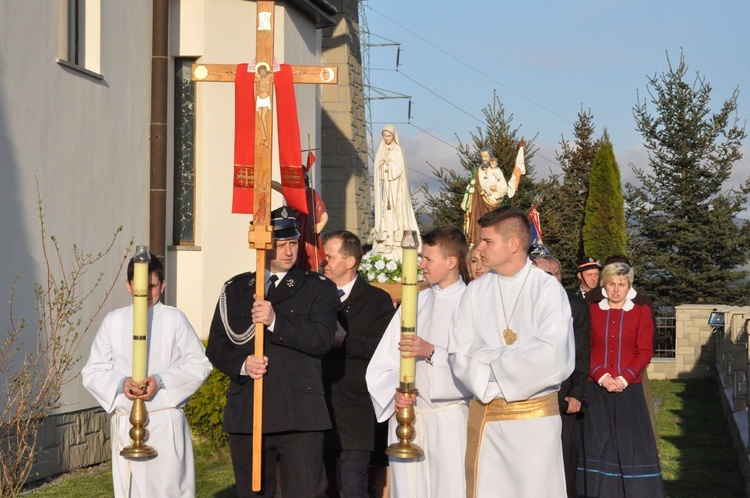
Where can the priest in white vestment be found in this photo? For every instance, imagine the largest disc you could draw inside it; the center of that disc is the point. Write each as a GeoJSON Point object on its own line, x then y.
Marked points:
{"type": "Point", "coordinates": [512, 345]}
{"type": "Point", "coordinates": [177, 366]}
{"type": "Point", "coordinates": [441, 406]}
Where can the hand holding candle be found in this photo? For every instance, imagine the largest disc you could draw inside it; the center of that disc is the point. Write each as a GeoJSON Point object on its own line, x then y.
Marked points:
{"type": "Point", "coordinates": [409, 344]}
{"type": "Point", "coordinates": [139, 382]}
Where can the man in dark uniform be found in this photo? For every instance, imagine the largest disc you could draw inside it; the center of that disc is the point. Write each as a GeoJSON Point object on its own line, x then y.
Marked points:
{"type": "Point", "coordinates": [364, 314]}
{"type": "Point", "coordinates": [570, 395]}
{"type": "Point", "coordinates": [299, 314]}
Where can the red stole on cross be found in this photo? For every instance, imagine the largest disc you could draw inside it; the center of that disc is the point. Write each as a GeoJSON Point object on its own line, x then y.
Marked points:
{"type": "Point", "coordinates": [290, 156]}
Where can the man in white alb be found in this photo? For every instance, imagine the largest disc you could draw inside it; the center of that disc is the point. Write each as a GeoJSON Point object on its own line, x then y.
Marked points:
{"type": "Point", "coordinates": [441, 405]}
{"type": "Point", "coordinates": [512, 345]}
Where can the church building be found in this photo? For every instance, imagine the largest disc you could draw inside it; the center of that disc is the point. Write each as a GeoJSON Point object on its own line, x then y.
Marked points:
{"type": "Point", "coordinates": [99, 108]}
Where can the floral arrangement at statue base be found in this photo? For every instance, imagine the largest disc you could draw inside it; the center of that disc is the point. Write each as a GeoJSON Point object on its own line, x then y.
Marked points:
{"type": "Point", "coordinates": [384, 271]}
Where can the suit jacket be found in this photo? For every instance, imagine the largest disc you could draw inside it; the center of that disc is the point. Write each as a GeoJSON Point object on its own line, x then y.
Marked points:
{"type": "Point", "coordinates": [573, 386]}
{"type": "Point", "coordinates": [305, 304]}
{"type": "Point", "coordinates": [364, 315]}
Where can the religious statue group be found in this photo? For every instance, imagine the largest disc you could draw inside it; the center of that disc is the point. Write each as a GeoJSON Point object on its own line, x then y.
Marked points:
{"type": "Point", "coordinates": [513, 376]}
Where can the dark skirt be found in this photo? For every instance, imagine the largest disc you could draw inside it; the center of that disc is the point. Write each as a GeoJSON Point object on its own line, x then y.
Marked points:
{"type": "Point", "coordinates": [618, 457]}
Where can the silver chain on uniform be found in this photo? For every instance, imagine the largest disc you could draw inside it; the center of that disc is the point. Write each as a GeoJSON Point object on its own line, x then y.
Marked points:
{"type": "Point", "coordinates": [236, 338]}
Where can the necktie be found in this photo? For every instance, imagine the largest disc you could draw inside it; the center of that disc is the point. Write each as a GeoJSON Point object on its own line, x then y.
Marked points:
{"type": "Point", "coordinates": [271, 286]}
{"type": "Point", "coordinates": [341, 293]}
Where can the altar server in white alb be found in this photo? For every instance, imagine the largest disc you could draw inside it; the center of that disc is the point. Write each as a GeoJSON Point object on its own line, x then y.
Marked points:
{"type": "Point", "coordinates": [441, 406]}
{"type": "Point", "coordinates": [512, 345]}
{"type": "Point", "coordinates": [177, 366]}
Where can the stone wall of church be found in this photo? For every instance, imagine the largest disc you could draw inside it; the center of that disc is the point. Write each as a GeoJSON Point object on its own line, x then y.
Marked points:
{"type": "Point", "coordinates": [345, 175]}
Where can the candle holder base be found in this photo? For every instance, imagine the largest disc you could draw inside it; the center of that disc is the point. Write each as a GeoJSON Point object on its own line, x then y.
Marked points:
{"type": "Point", "coordinates": [138, 433]}
{"type": "Point", "coordinates": [405, 432]}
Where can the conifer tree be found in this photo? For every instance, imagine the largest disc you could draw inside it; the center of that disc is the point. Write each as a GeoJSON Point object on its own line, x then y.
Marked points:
{"type": "Point", "coordinates": [687, 240]}
{"type": "Point", "coordinates": [444, 206]}
{"type": "Point", "coordinates": [604, 222]}
{"type": "Point", "coordinates": [563, 207]}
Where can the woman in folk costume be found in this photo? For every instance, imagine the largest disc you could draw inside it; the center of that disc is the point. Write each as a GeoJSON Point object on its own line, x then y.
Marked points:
{"type": "Point", "coordinates": [442, 403]}
{"type": "Point", "coordinates": [393, 209]}
{"type": "Point", "coordinates": [619, 456]}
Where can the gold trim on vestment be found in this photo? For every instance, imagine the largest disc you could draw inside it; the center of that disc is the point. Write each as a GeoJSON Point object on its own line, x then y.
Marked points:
{"type": "Point", "coordinates": [496, 410]}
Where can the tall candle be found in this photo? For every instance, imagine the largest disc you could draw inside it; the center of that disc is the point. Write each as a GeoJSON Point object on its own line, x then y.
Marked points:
{"type": "Point", "coordinates": [139, 286]}
{"type": "Point", "coordinates": [408, 303]}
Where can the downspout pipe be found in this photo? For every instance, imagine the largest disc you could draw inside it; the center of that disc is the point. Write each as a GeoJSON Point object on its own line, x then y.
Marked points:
{"type": "Point", "coordinates": [158, 128]}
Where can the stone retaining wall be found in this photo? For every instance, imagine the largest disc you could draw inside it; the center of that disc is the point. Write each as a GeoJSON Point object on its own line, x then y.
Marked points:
{"type": "Point", "coordinates": [71, 441]}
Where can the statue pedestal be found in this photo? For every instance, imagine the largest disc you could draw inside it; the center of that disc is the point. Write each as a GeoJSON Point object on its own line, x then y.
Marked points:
{"type": "Point", "coordinates": [394, 289]}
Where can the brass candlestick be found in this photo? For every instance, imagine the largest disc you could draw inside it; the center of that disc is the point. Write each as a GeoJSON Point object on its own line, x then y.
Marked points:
{"type": "Point", "coordinates": [407, 366]}
{"type": "Point", "coordinates": [405, 431]}
{"type": "Point", "coordinates": [138, 433]}
{"type": "Point", "coordinates": [138, 416]}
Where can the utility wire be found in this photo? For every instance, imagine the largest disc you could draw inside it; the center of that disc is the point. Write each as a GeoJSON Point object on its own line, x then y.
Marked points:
{"type": "Point", "coordinates": [489, 77]}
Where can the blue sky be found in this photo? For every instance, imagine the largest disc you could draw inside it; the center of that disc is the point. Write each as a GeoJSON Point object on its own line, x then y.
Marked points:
{"type": "Point", "coordinates": [545, 59]}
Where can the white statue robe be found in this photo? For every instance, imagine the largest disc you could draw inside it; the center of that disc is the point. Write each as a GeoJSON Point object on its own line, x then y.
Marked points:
{"type": "Point", "coordinates": [394, 212]}
{"type": "Point", "coordinates": [441, 407]}
{"type": "Point", "coordinates": [177, 357]}
{"type": "Point", "coordinates": [493, 177]}
{"type": "Point", "coordinates": [516, 457]}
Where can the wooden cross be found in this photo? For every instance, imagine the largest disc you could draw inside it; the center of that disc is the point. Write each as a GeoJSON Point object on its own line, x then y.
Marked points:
{"type": "Point", "coordinates": [260, 235]}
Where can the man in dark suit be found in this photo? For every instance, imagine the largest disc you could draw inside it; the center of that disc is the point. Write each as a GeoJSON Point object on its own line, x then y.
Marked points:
{"type": "Point", "coordinates": [363, 316]}
{"type": "Point", "coordinates": [570, 395]}
{"type": "Point", "coordinates": [299, 314]}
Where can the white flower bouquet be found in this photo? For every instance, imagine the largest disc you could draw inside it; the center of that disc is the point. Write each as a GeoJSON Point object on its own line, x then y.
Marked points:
{"type": "Point", "coordinates": [382, 268]}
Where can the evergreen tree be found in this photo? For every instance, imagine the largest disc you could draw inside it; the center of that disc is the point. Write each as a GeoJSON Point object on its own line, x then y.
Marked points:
{"type": "Point", "coordinates": [687, 241]}
{"type": "Point", "coordinates": [604, 222]}
{"type": "Point", "coordinates": [564, 204]}
{"type": "Point", "coordinates": [444, 206]}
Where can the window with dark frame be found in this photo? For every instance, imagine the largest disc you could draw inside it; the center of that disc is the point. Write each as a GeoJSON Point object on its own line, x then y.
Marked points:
{"type": "Point", "coordinates": [183, 226]}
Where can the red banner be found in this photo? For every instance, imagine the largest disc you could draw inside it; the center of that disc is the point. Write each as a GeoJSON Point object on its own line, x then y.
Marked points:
{"type": "Point", "coordinates": [292, 172]}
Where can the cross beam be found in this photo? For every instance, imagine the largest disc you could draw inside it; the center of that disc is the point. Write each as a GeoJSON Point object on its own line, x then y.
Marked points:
{"type": "Point", "coordinates": [225, 73]}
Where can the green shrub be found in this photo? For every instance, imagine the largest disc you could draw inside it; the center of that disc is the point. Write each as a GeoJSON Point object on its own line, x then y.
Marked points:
{"type": "Point", "coordinates": [205, 409]}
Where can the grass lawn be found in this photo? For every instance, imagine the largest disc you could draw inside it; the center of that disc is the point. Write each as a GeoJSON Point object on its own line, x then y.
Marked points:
{"type": "Point", "coordinates": [697, 456]}
{"type": "Point", "coordinates": [698, 459]}
{"type": "Point", "coordinates": [213, 473]}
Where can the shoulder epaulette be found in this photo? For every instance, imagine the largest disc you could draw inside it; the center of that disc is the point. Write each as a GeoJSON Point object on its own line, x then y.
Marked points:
{"type": "Point", "coordinates": [247, 274]}
{"type": "Point", "coordinates": [314, 274]}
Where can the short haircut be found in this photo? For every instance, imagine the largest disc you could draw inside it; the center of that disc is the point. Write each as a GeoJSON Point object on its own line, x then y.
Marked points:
{"type": "Point", "coordinates": [350, 244]}
{"type": "Point", "coordinates": [155, 265]}
{"type": "Point", "coordinates": [488, 150]}
{"type": "Point", "coordinates": [452, 243]}
{"type": "Point", "coordinates": [509, 221]}
{"type": "Point", "coordinates": [553, 260]}
{"type": "Point", "coordinates": [613, 270]}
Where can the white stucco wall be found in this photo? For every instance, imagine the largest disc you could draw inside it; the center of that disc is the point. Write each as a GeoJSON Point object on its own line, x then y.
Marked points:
{"type": "Point", "coordinates": [225, 34]}
{"type": "Point", "coordinates": [86, 142]}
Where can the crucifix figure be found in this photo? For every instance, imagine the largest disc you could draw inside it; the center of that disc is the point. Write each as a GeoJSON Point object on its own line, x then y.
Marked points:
{"type": "Point", "coordinates": [252, 175]}
{"type": "Point", "coordinates": [263, 99]}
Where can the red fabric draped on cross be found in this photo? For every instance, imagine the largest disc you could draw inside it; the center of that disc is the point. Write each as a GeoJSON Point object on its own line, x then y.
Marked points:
{"type": "Point", "coordinates": [290, 155]}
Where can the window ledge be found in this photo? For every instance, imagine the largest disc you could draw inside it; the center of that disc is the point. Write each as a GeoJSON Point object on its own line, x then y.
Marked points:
{"type": "Point", "coordinates": [79, 69]}
{"type": "Point", "coordinates": [184, 248]}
